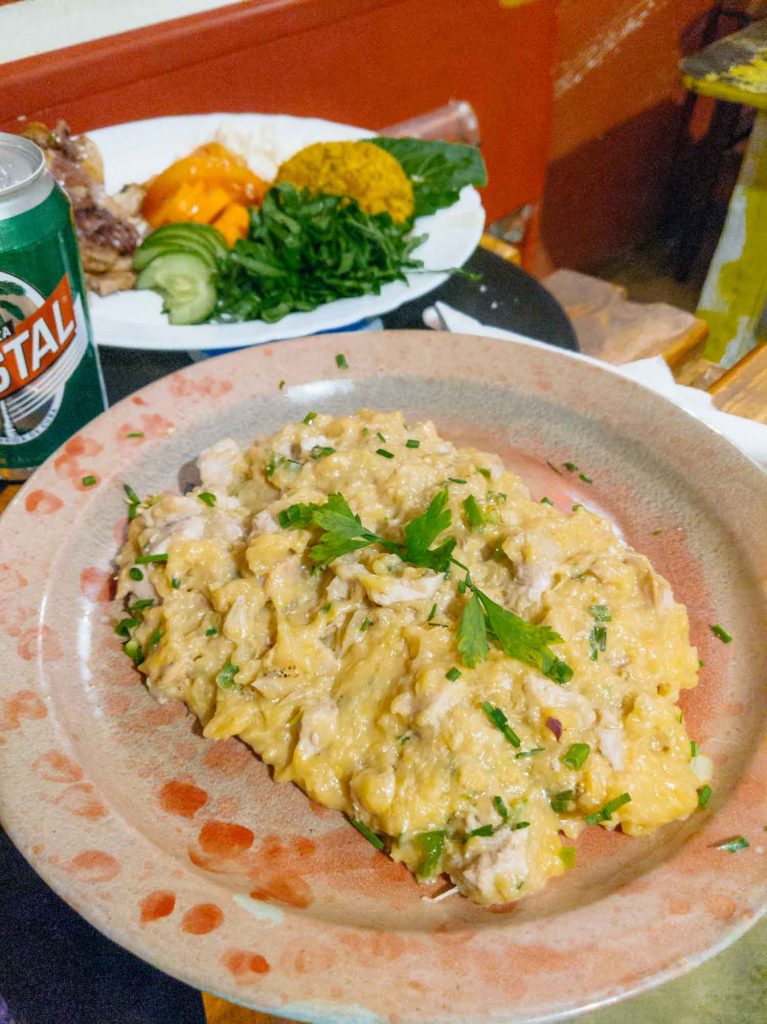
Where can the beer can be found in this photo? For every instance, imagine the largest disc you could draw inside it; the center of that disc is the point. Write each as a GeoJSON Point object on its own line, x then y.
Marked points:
{"type": "Point", "coordinates": [50, 378]}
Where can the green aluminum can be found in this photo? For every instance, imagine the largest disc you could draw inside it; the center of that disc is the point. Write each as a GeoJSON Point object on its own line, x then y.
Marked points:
{"type": "Point", "coordinates": [50, 379]}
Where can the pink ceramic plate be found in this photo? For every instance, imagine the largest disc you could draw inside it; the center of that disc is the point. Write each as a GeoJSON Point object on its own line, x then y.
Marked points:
{"type": "Point", "coordinates": [186, 852]}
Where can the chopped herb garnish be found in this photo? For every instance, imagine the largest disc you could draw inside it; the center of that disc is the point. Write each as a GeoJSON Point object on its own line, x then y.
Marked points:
{"type": "Point", "coordinates": [368, 833]}
{"type": "Point", "coordinates": [704, 795]}
{"type": "Point", "coordinates": [150, 559]}
{"type": "Point", "coordinates": [124, 626]}
{"type": "Point", "coordinates": [281, 385]}
{"type": "Point", "coordinates": [456, 480]}
{"type": "Point", "coordinates": [412, 442]}
{"type": "Point", "coordinates": [600, 613]}
{"type": "Point", "coordinates": [734, 845]}
{"type": "Point", "coordinates": [380, 437]}
{"type": "Point", "coordinates": [585, 479]}
{"type": "Point", "coordinates": [501, 723]}
{"type": "Point", "coordinates": [576, 507]}
{"type": "Point", "coordinates": [485, 472]}
{"type": "Point", "coordinates": [483, 830]}
{"type": "Point", "coordinates": [576, 755]}
{"type": "Point", "coordinates": [132, 510]}
{"type": "Point", "coordinates": [432, 844]}
{"type": "Point", "coordinates": [474, 514]}
{"type": "Point", "coordinates": [225, 676]}
{"type": "Point", "coordinates": [89, 481]}
{"type": "Point", "coordinates": [320, 451]}
{"type": "Point", "coordinates": [309, 417]}
{"type": "Point", "coordinates": [567, 856]}
{"type": "Point", "coordinates": [386, 454]}
{"type": "Point", "coordinates": [135, 433]}
{"type": "Point", "coordinates": [154, 639]}
{"type": "Point", "coordinates": [135, 574]}
{"type": "Point", "coordinates": [275, 461]}
{"type": "Point", "coordinates": [598, 641]}
{"type": "Point", "coordinates": [500, 806]}
{"type": "Point", "coordinates": [657, 533]}
{"type": "Point", "coordinates": [529, 753]}
{"type": "Point", "coordinates": [432, 613]}
{"type": "Point", "coordinates": [211, 631]}
{"type": "Point", "coordinates": [341, 361]}
{"type": "Point", "coordinates": [701, 663]}
{"type": "Point", "coordinates": [133, 650]}
{"type": "Point", "coordinates": [606, 813]}
{"type": "Point", "coordinates": [175, 582]}
{"type": "Point", "coordinates": [453, 674]}
{"type": "Point", "coordinates": [139, 606]}
{"type": "Point", "coordinates": [570, 467]}
{"type": "Point", "coordinates": [551, 465]}
{"type": "Point", "coordinates": [693, 748]}
{"type": "Point", "coordinates": [547, 501]}
{"type": "Point", "coordinates": [207, 498]}
{"type": "Point", "coordinates": [326, 608]}
{"type": "Point", "coordinates": [404, 737]}
{"type": "Point", "coordinates": [365, 625]}
{"type": "Point", "coordinates": [721, 632]}
{"type": "Point", "coordinates": [564, 801]}
{"type": "Point", "coordinates": [472, 633]}
{"type": "Point", "coordinates": [131, 495]}
{"type": "Point", "coordinates": [518, 825]}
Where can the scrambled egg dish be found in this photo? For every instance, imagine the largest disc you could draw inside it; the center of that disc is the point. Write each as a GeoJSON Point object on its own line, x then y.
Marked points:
{"type": "Point", "coordinates": [392, 622]}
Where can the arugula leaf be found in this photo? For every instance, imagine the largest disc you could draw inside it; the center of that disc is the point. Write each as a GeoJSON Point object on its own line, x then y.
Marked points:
{"type": "Point", "coordinates": [438, 170]}
{"type": "Point", "coordinates": [524, 640]}
{"type": "Point", "coordinates": [432, 844]}
{"type": "Point", "coordinates": [472, 633]}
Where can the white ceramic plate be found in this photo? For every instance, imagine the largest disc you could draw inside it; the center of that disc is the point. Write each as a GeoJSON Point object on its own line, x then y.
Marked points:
{"type": "Point", "coordinates": [135, 151]}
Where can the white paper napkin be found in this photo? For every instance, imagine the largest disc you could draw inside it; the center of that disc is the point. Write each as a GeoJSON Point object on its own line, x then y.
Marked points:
{"type": "Point", "coordinates": [653, 373]}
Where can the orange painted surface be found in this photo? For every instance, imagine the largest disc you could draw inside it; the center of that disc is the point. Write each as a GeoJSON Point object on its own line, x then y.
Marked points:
{"type": "Point", "coordinates": [368, 62]}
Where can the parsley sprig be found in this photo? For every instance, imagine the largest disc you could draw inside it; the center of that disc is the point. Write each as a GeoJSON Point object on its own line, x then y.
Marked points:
{"type": "Point", "coordinates": [482, 620]}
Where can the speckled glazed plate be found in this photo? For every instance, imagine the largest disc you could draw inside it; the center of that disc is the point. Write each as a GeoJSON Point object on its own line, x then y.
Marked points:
{"type": "Point", "coordinates": [186, 852]}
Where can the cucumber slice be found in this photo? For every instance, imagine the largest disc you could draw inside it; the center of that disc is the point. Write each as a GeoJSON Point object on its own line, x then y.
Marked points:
{"type": "Point", "coordinates": [201, 239]}
{"type": "Point", "coordinates": [204, 233]}
{"type": "Point", "coordinates": [186, 284]}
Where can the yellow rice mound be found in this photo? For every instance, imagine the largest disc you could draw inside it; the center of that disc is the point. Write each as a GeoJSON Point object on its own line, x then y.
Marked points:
{"type": "Point", "coordinates": [361, 170]}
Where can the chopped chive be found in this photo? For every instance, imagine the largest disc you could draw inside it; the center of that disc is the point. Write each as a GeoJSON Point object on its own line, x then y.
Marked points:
{"type": "Point", "coordinates": [131, 495]}
{"type": "Point", "coordinates": [124, 626]}
{"type": "Point", "coordinates": [404, 737]}
{"type": "Point", "coordinates": [462, 585]}
{"type": "Point", "coordinates": [326, 608]}
{"type": "Point", "coordinates": [501, 807]}
{"type": "Point", "coordinates": [704, 795]}
{"type": "Point", "coordinates": [518, 825]}
{"type": "Point", "coordinates": [453, 674]}
{"type": "Point", "coordinates": [721, 632]}
{"type": "Point", "coordinates": [474, 514]}
{"type": "Point", "coordinates": [135, 433]}
{"type": "Point", "coordinates": [320, 451]}
{"type": "Point", "coordinates": [207, 498]}
{"type": "Point", "coordinates": [150, 559]}
{"type": "Point", "coordinates": [225, 676]}
{"type": "Point", "coordinates": [657, 533]}
{"type": "Point", "coordinates": [701, 663]}
{"type": "Point", "coordinates": [432, 844]}
{"type": "Point", "coordinates": [132, 510]}
{"type": "Point", "coordinates": [368, 833]}
{"type": "Point", "coordinates": [547, 501]}
{"type": "Point", "coordinates": [175, 582]}
{"type": "Point", "coordinates": [365, 625]}
{"type": "Point", "coordinates": [365, 431]}
{"type": "Point", "coordinates": [501, 723]}
{"type": "Point", "coordinates": [529, 753]}
{"type": "Point", "coordinates": [89, 481]}
{"type": "Point", "coordinates": [577, 506]}
{"type": "Point", "coordinates": [570, 467]}
{"type": "Point", "coordinates": [432, 613]}
{"type": "Point", "coordinates": [456, 480]}
{"type": "Point", "coordinates": [600, 613]}
{"type": "Point", "coordinates": [693, 748]}
{"type": "Point", "coordinates": [135, 574]}
{"type": "Point", "coordinates": [563, 802]}
{"type": "Point", "coordinates": [606, 812]}
{"type": "Point", "coordinates": [211, 631]}
{"type": "Point", "coordinates": [383, 451]}
{"type": "Point", "coordinates": [551, 465]}
{"type": "Point", "coordinates": [598, 641]}
{"type": "Point", "coordinates": [734, 845]}
{"type": "Point", "coordinates": [567, 856]}
{"type": "Point", "coordinates": [154, 639]}
{"type": "Point", "coordinates": [281, 385]}
{"type": "Point", "coordinates": [380, 437]}
{"type": "Point", "coordinates": [585, 479]}
{"type": "Point", "coordinates": [341, 361]}
{"type": "Point", "coordinates": [483, 830]}
{"type": "Point", "coordinates": [412, 442]}
{"type": "Point", "coordinates": [133, 650]}
{"type": "Point", "coordinates": [139, 606]}
{"type": "Point", "coordinates": [576, 755]}
{"type": "Point", "coordinates": [485, 472]}
{"type": "Point", "coordinates": [309, 417]}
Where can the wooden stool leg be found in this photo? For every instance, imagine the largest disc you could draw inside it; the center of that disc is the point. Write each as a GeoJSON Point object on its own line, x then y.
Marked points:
{"type": "Point", "coordinates": [735, 291]}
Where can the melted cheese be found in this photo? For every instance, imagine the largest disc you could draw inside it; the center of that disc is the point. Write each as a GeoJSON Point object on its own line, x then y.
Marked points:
{"type": "Point", "coordinates": [341, 674]}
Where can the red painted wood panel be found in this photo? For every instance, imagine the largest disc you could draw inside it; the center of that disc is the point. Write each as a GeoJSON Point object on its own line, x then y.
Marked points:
{"type": "Point", "coordinates": [368, 62]}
